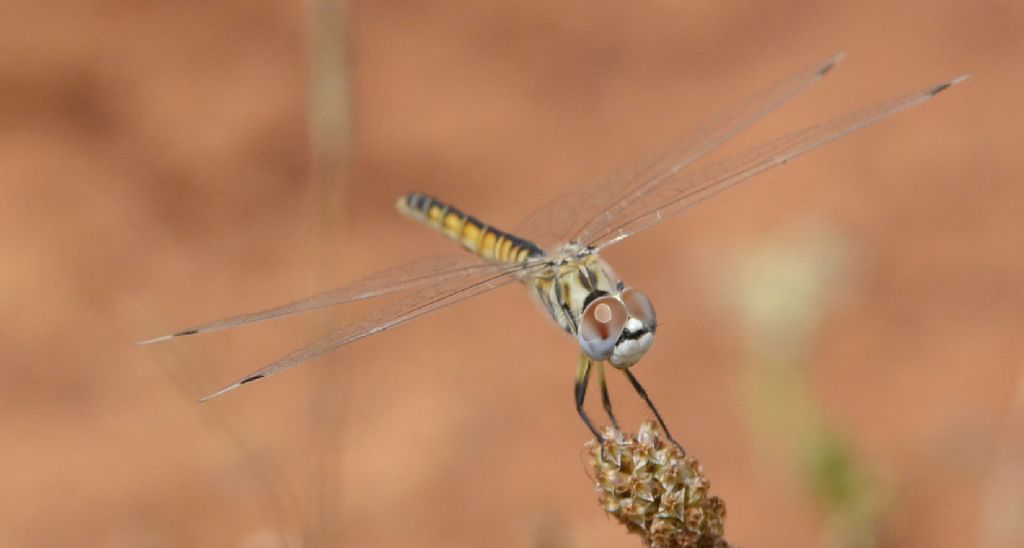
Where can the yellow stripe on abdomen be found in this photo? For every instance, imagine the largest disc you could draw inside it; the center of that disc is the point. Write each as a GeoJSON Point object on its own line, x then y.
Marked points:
{"type": "Point", "coordinates": [477, 237]}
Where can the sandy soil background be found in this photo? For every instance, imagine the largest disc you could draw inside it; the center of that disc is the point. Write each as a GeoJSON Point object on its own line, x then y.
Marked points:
{"type": "Point", "coordinates": [167, 163]}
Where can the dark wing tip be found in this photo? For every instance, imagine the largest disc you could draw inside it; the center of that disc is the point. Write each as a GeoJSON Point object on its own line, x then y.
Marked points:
{"type": "Point", "coordinates": [231, 387]}
{"type": "Point", "coordinates": [946, 85]}
{"type": "Point", "coordinates": [831, 63]}
{"type": "Point", "coordinates": [168, 337]}
{"type": "Point", "coordinates": [251, 378]}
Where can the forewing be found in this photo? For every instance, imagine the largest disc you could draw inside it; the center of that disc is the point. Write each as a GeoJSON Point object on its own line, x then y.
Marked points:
{"type": "Point", "coordinates": [587, 209]}
{"type": "Point", "coordinates": [413, 275]}
{"type": "Point", "coordinates": [419, 304]}
{"type": "Point", "coordinates": [676, 191]}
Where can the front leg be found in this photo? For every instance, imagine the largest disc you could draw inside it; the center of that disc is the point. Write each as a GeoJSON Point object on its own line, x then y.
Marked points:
{"type": "Point", "coordinates": [582, 378]}
{"type": "Point", "coordinates": [643, 394]}
{"type": "Point", "coordinates": [605, 400]}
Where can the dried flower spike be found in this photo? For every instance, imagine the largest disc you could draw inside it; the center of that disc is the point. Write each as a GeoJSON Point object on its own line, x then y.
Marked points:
{"type": "Point", "coordinates": [656, 492]}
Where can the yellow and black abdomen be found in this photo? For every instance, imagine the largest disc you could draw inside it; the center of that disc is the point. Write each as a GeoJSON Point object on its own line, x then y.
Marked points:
{"type": "Point", "coordinates": [477, 237]}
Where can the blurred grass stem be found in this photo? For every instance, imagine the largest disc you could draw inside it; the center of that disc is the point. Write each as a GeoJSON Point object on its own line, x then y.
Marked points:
{"type": "Point", "coordinates": [329, 123]}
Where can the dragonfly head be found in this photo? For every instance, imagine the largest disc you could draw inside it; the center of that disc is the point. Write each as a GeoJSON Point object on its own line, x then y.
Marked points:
{"type": "Point", "coordinates": [618, 328]}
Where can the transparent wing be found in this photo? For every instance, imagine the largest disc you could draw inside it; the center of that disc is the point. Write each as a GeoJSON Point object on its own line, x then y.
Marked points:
{"type": "Point", "coordinates": [428, 271]}
{"type": "Point", "coordinates": [578, 211]}
{"type": "Point", "coordinates": [419, 304]}
{"type": "Point", "coordinates": [675, 191]}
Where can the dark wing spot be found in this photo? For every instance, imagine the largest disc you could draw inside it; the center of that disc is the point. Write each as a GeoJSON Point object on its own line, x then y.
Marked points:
{"type": "Point", "coordinates": [250, 379]}
{"type": "Point", "coordinates": [186, 332]}
{"type": "Point", "coordinates": [939, 88]}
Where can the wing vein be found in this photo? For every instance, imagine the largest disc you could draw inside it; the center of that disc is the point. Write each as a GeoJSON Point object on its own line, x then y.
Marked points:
{"type": "Point", "coordinates": [402, 278]}
{"type": "Point", "coordinates": [419, 304]}
{"type": "Point", "coordinates": [576, 215]}
{"type": "Point", "coordinates": [677, 191]}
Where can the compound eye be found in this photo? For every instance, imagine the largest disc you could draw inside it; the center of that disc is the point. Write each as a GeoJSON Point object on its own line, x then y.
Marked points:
{"type": "Point", "coordinates": [600, 327]}
{"type": "Point", "coordinates": [639, 307]}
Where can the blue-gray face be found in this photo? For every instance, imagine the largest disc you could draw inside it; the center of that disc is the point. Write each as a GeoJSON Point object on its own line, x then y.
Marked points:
{"type": "Point", "coordinates": [618, 328]}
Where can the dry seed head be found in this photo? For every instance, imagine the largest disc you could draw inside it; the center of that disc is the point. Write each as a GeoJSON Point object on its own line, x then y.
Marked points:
{"type": "Point", "coordinates": [656, 492]}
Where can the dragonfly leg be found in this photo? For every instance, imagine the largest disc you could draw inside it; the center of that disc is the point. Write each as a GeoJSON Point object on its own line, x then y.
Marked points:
{"type": "Point", "coordinates": [643, 394]}
{"type": "Point", "coordinates": [582, 378]}
{"type": "Point", "coordinates": [605, 400]}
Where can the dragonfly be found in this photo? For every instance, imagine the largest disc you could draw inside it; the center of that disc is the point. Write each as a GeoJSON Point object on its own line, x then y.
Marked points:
{"type": "Point", "coordinates": [557, 256]}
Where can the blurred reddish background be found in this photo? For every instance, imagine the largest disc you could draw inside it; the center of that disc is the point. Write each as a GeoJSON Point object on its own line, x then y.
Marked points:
{"type": "Point", "coordinates": [169, 163]}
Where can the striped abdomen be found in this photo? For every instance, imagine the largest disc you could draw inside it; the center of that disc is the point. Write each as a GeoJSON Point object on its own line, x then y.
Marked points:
{"type": "Point", "coordinates": [477, 237]}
